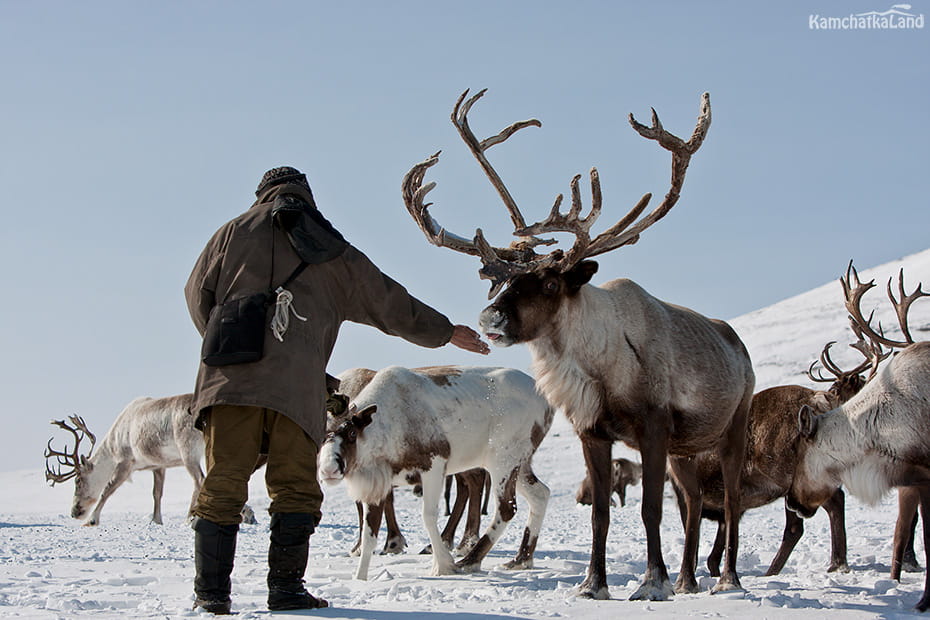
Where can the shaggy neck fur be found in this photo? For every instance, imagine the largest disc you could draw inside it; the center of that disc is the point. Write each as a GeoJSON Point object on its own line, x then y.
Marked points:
{"type": "Point", "coordinates": [842, 455]}
{"type": "Point", "coordinates": [565, 359]}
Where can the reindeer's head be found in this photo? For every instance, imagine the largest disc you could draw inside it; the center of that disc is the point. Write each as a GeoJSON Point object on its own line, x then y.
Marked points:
{"type": "Point", "coordinates": [337, 454]}
{"type": "Point", "coordinates": [844, 384]}
{"type": "Point", "coordinates": [525, 310]}
{"type": "Point", "coordinates": [537, 284]}
{"type": "Point", "coordinates": [814, 480]}
{"type": "Point", "coordinates": [87, 483]}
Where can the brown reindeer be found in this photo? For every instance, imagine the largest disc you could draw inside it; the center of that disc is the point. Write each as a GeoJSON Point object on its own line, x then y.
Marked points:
{"type": "Point", "coordinates": [622, 365]}
{"type": "Point", "coordinates": [772, 454]}
{"type": "Point", "coordinates": [880, 438]}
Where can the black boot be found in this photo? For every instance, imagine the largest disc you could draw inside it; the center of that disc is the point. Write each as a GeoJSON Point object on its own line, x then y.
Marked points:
{"type": "Point", "coordinates": [287, 561]}
{"type": "Point", "coordinates": [214, 553]}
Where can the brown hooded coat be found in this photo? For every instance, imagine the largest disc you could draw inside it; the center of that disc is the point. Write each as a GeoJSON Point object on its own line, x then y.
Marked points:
{"type": "Point", "coordinates": [290, 377]}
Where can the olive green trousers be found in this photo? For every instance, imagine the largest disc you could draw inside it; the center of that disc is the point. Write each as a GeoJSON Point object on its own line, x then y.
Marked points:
{"type": "Point", "coordinates": [235, 436]}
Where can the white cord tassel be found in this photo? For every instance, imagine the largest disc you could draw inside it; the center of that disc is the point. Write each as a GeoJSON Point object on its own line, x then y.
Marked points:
{"type": "Point", "coordinates": [281, 319]}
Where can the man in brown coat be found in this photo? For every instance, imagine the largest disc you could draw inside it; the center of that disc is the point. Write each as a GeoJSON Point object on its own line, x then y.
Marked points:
{"type": "Point", "coordinates": [276, 405]}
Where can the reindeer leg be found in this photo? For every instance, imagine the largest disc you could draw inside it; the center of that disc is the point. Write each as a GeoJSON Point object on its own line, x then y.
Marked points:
{"type": "Point", "coordinates": [716, 553]}
{"type": "Point", "coordinates": [794, 529]}
{"type": "Point", "coordinates": [684, 473]}
{"type": "Point", "coordinates": [357, 547]}
{"type": "Point", "coordinates": [458, 509]}
{"type": "Point", "coordinates": [371, 524]}
{"type": "Point", "coordinates": [395, 542]}
{"type": "Point", "coordinates": [902, 554]}
{"type": "Point", "coordinates": [537, 497]}
{"type": "Point", "coordinates": [909, 558]}
{"type": "Point", "coordinates": [432, 481]}
{"type": "Point", "coordinates": [475, 483]}
{"type": "Point", "coordinates": [656, 585]}
{"type": "Point", "coordinates": [597, 462]}
{"type": "Point", "coordinates": [119, 477]}
{"type": "Point", "coordinates": [191, 461]}
{"type": "Point", "coordinates": [248, 513]}
{"type": "Point", "coordinates": [158, 488]}
{"type": "Point", "coordinates": [505, 494]}
{"type": "Point", "coordinates": [732, 451]}
{"type": "Point", "coordinates": [836, 510]}
{"type": "Point", "coordinates": [924, 602]}
{"type": "Point", "coordinates": [448, 492]}
{"type": "Point", "coordinates": [487, 494]}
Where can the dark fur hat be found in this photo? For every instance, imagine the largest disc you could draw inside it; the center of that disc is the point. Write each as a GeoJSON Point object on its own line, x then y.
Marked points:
{"type": "Point", "coordinates": [279, 175]}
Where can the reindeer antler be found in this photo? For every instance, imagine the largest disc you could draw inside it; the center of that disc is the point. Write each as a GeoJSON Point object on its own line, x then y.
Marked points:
{"type": "Point", "coordinates": [827, 362]}
{"type": "Point", "coordinates": [501, 264]}
{"type": "Point", "coordinates": [902, 305]}
{"type": "Point", "coordinates": [872, 351]}
{"type": "Point", "coordinates": [67, 459]}
{"type": "Point", "coordinates": [854, 289]}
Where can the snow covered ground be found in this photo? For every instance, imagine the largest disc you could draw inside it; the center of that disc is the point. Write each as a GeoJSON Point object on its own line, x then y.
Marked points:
{"type": "Point", "coordinates": [50, 567]}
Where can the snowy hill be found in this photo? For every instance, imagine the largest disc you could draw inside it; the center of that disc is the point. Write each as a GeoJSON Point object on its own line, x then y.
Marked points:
{"type": "Point", "coordinates": [786, 337]}
{"type": "Point", "coordinates": [50, 567]}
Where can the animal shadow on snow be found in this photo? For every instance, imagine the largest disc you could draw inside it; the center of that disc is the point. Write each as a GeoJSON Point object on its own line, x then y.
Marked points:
{"type": "Point", "coordinates": [547, 575]}
{"type": "Point", "coordinates": [374, 614]}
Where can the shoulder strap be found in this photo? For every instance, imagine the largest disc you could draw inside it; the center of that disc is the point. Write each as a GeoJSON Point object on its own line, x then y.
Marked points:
{"type": "Point", "coordinates": [297, 271]}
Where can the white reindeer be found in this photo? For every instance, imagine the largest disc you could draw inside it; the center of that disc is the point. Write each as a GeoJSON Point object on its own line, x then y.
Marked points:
{"type": "Point", "coordinates": [150, 433]}
{"type": "Point", "coordinates": [437, 421]}
{"type": "Point", "coordinates": [880, 438]}
{"type": "Point", "coordinates": [622, 365]}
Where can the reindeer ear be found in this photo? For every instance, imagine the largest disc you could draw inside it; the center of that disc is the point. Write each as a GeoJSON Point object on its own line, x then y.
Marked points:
{"type": "Point", "coordinates": [363, 417]}
{"type": "Point", "coordinates": [807, 422]}
{"type": "Point", "coordinates": [580, 274]}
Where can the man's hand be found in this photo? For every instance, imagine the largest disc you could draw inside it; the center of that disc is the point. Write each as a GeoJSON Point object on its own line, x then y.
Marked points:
{"type": "Point", "coordinates": [464, 337]}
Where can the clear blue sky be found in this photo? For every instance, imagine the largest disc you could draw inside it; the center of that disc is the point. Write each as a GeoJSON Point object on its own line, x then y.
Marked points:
{"type": "Point", "coordinates": [132, 130]}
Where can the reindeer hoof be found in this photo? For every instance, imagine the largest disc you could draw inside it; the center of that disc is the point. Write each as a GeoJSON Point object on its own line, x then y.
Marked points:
{"type": "Point", "coordinates": [518, 564]}
{"type": "Point", "coordinates": [839, 567]}
{"type": "Point", "coordinates": [597, 594]}
{"type": "Point", "coordinates": [686, 586]}
{"type": "Point", "coordinates": [394, 545]}
{"type": "Point", "coordinates": [653, 591]}
{"type": "Point", "coordinates": [726, 585]}
{"type": "Point", "coordinates": [468, 567]}
{"type": "Point", "coordinates": [89, 524]}
{"type": "Point", "coordinates": [923, 604]}
{"type": "Point", "coordinates": [907, 567]}
{"type": "Point", "coordinates": [438, 571]}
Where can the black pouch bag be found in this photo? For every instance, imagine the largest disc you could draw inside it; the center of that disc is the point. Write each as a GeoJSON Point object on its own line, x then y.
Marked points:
{"type": "Point", "coordinates": [235, 331]}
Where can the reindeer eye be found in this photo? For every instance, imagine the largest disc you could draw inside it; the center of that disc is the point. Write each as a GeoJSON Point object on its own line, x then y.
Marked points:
{"type": "Point", "coordinates": [551, 286]}
{"type": "Point", "coordinates": [352, 435]}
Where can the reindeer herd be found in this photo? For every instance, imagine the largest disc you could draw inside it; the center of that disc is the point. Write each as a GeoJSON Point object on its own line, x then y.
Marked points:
{"type": "Point", "coordinates": [622, 366]}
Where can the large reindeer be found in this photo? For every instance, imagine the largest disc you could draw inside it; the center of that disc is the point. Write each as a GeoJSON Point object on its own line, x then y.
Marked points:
{"type": "Point", "coordinates": [880, 438]}
{"type": "Point", "coordinates": [150, 433]}
{"type": "Point", "coordinates": [623, 365]}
